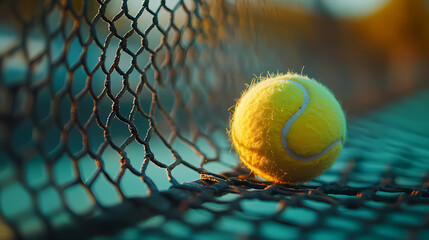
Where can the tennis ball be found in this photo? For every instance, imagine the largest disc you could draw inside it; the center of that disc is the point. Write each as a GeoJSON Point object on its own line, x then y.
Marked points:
{"type": "Point", "coordinates": [288, 128]}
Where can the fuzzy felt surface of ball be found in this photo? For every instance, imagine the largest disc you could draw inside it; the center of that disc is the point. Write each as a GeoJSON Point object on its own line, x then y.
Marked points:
{"type": "Point", "coordinates": [288, 128]}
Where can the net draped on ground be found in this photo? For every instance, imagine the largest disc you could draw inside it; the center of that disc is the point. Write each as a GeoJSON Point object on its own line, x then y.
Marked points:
{"type": "Point", "coordinates": [113, 120]}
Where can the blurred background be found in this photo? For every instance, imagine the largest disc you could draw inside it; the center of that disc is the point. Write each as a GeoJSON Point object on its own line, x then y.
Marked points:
{"type": "Point", "coordinates": [368, 52]}
{"type": "Point", "coordinates": [101, 101]}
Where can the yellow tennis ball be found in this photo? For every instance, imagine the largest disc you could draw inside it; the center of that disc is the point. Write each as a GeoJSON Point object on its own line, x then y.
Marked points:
{"type": "Point", "coordinates": [288, 128]}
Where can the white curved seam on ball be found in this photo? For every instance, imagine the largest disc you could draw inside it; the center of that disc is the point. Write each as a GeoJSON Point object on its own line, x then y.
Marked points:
{"type": "Point", "coordinates": [292, 119]}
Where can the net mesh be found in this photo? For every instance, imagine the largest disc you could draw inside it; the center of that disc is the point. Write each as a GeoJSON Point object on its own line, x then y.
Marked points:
{"type": "Point", "coordinates": [113, 118]}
